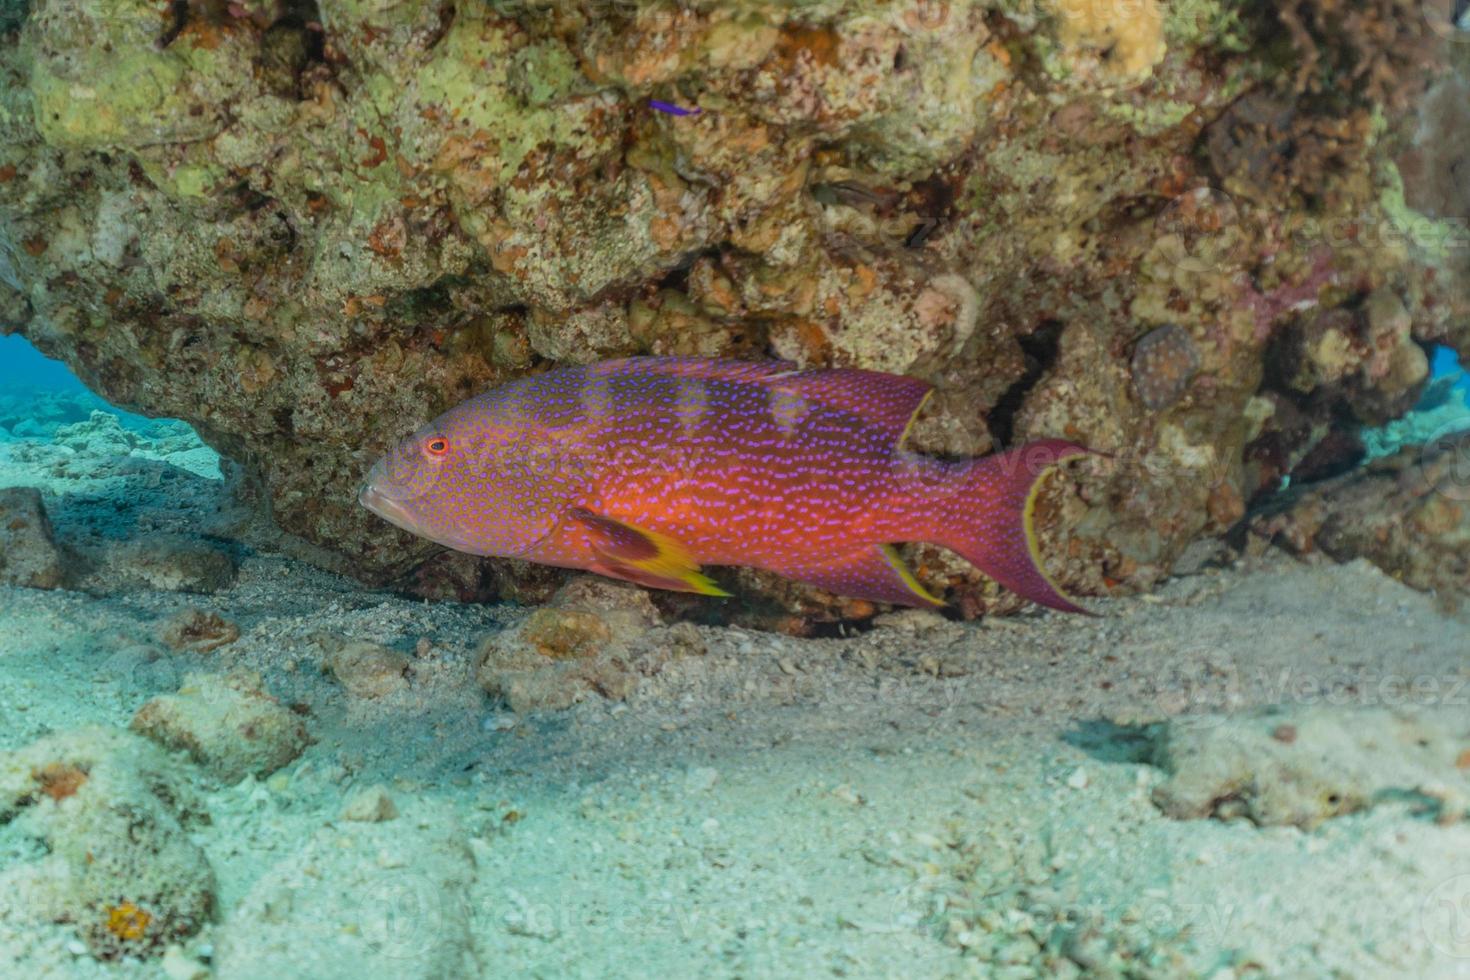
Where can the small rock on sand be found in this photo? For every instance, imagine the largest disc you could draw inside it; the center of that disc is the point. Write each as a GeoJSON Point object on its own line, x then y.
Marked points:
{"type": "Point", "coordinates": [226, 723]}
{"type": "Point", "coordinates": [1334, 762]}
{"type": "Point", "coordinates": [199, 631]}
{"type": "Point", "coordinates": [371, 805]}
{"type": "Point", "coordinates": [29, 556]}
{"type": "Point", "coordinates": [365, 669]}
{"type": "Point", "coordinates": [574, 646]}
{"type": "Point", "coordinates": [178, 965]}
{"type": "Point", "coordinates": [369, 900]}
{"type": "Point", "coordinates": [171, 563]}
{"type": "Point", "coordinates": [109, 816]}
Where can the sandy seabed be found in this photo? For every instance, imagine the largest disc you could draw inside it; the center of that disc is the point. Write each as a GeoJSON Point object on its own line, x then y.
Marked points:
{"type": "Point", "coordinates": [1259, 771]}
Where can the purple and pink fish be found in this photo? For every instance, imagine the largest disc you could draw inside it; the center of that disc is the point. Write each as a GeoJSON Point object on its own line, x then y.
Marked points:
{"type": "Point", "coordinates": [650, 468]}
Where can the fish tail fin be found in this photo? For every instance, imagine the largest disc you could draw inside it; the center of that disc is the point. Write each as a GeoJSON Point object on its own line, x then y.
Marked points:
{"type": "Point", "coordinates": [989, 519]}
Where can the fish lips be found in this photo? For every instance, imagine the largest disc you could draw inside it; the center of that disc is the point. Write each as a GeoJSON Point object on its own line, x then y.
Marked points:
{"type": "Point", "coordinates": [388, 509]}
{"type": "Point", "coordinates": [384, 497]}
{"type": "Point", "coordinates": [391, 508]}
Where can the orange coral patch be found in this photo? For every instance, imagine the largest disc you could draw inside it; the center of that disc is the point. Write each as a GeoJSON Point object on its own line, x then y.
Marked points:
{"type": "Point", "coordinates": [59, 779]}
{"type": "Point", "coordinates": [128, 921]}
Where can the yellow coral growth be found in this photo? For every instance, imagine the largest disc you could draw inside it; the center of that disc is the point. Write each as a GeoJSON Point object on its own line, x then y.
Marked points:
{"type": "Point", "coordinates": [128, 921]}
{"type": "Point", "coordinates": [1130, 32]}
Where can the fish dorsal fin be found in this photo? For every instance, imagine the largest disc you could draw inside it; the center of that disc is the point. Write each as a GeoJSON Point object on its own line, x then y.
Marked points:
{"type": "Point", "coordinates": [643, 556]}
{"type": "Point", "coordinates": [713, 368]}
{"type": "Point", "coordinates": [887, 401]}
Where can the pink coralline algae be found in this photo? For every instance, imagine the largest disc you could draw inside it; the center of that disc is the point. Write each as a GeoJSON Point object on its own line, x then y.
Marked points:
{"type": "Point", "coordinates": [1270, 308]}
{"type": "Point", "coordinates": [1164, 362]}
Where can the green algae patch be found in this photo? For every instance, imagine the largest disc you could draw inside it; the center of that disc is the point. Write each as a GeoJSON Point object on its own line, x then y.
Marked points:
{"type": "Point", "coordinates": [1439, 240]}
{"type": "Point", "coordinates": [1151, 118]}
{"type": "Point", "coordinates": [122, 102]}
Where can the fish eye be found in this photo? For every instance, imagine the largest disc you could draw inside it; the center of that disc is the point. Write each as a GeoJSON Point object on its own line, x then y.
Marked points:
{"type": "Point", "coordinates": [436, 446]}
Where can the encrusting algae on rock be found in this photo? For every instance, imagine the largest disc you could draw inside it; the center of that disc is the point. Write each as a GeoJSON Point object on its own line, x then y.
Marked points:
{"type": "Point", "coordinates": [112, 815]}
{"type": "Point", "coordinates": [128, 922]}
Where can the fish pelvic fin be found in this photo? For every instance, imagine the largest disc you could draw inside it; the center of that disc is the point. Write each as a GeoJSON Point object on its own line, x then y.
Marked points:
{"type": "Point", "coordinates": [872, 572]}
{"type": "Point", "coordinates": [646, 557]}
{"type": "Point", "coordinates": [990, 519]}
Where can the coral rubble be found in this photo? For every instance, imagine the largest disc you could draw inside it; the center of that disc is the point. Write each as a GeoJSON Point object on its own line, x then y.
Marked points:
{"type": "Point", "coordinates": [226, 723]}
{"type": "Point", "coordinates": [112, 814]}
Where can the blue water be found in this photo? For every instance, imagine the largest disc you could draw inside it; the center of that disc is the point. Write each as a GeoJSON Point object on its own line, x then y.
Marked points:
{"type": "Point", "coordinates": [46, 389]}
{"type": "Point", "coordinates": [1445, 362]}
{"type": "Point", "coordinates": [23, 367]}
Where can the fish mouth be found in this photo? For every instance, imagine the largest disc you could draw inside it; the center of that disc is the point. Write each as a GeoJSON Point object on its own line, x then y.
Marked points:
{"type": "Point", "coordinates": [385, 507]}
{"type": "Point", "coordinates": [391, 507]}
{"type": "Point", "coordinates": [394, 512]}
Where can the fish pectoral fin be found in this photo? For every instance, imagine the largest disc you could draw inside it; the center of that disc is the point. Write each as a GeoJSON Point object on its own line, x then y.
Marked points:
{"type": "Point", "coordinates": [643, 556]}
{"type": "Point", "coordinates": [874, 572]}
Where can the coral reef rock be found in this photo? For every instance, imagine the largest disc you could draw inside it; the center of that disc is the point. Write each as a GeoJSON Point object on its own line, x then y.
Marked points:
{"type": "Point", "coordinates": [1304, 764]}
{"type": "Point", "coordinates": [371, 805]}
{"type": "Point", "coordinates": [306, 230]}
{"type": "Point", "coordinates": [198, 631]}
{"type": "Point", "coordinates": [583, 642]}
{"type": "Point", "coordinates": [168, 562]}
{"type": "Point", "coordinates": [226, 723]}
{"type": "Point", "coordinates": [96, 826]}
{"type": "Point", "coordinates": [1408, 513]}
{"type": "Point", "coordinates": [29, 556]}
{"type": "Point", "coordinates": [365, 669]}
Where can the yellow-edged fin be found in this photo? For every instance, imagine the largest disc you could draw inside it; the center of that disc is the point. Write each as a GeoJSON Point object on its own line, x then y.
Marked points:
{"type": "Point", "coordinates": [873, 572]}
{"type": "Point", "coordinates": [903, 436]}
{"type": "Point", "coordinates": [643, 556]}
{"type": "Point", "coordinates": [1033, 540]}
{"type": "Point", "coordinates": [890, 553]}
